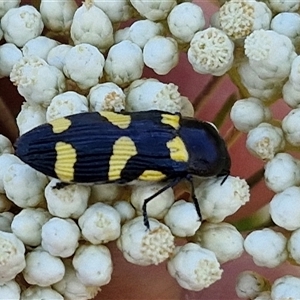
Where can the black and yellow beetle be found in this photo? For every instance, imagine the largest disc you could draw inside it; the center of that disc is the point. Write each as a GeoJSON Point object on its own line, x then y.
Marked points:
{"type": "Point", "coordinates": [106, 147]}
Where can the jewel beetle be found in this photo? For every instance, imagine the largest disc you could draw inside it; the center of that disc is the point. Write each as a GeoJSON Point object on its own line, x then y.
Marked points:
{"type": "Point", "coordinates": [108, 147]}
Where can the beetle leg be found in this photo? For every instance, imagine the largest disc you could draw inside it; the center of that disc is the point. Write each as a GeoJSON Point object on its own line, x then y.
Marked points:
{"type": "Point", "coordinates": [144, 208]}
{"type": "Point", "coordinates": [195, 200]}
{"type": "Point", "coordinates": [60, 185]}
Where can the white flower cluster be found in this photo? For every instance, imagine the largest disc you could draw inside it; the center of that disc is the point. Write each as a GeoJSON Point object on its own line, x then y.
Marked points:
{"type": "Point", "coordinates": [267, 34]}
{"type": "Point", "coordinates": [64, 231]}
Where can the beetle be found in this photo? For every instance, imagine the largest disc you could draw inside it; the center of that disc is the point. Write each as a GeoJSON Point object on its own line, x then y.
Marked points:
{"type": "Point", "coordinates": [108, 147]}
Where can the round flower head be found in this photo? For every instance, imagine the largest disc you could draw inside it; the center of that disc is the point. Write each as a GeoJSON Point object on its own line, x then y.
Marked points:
{"type": "Point", "coordinates": [9, 54]}
{"type": "Point", "coordinates": [270, 54]}
{"type": "Point", "coordinates": [287, 23]}
{"type": "Point", "coordinates": [211, 52]}
{"type": "Point", "coordinates": [12, 259]}
{"type": "Point", "coordinates": [106, 96]}
{"type": "Point", "coordinates": [140, 32]}
{"type": "Point", "coordinates": [7, 5]}
{"type": "Point", "coordinates": [21, 24]}
{"type": "Point", "coordinates": [184, 20]}
{"type": "Point", "coordinates": [286, 287]}
{"type": "Point", "coordinates": [84, 29]}
{"type": "Point", "coordinates": [281, 172]}
{"type": "Point", "coordinates": [58, 15]}
{"type": "Point", "coordinates": [153, 10]}
{"type": "Point", "coordinates": [30, 116]}
{"type": "Point", "coordinates": [84, 64]}
{"type": "Point", "coordinates": [248, 113]}
{"type": "Point", "coordinates": [258, 241]}
{"type": "Point", "coordinates": [161, 54]}
{"type": "Point", "coordinates": [250, 284]}
{"type": "Point", "coordinates": [239, 18]}
{"type": "Point", "coordinates": [291, 127]}
{"type": "Point", "coordinates": [193, 267]}
{"type": "Point", "coordinates": [124, 63]}
{"type": "Point", "coordinates": [65, 104]}
{"type": "Point", "coordinates": [37, 81]}
{"type": "Point", "coordinates": [145, 247]}
{"type": "Point", "coordinates": [39, 46]}
{"type": "Point", "coordinates": [147, 94]}
{"type": "Point", "coordinates": [265, 140]}
{"type": "Point", "coordinates": [219, 201]}
{"type": "Point", "coordinates": [285, 208]}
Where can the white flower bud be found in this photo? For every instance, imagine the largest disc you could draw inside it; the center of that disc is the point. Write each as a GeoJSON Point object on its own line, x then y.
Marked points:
{"type": "Point", "coordinates": [10, 290]}
{"type": "Point", "coordinates": [93, 265]}
{"type": "Point", "coordinates": [12, 258]}
{"type": "Point", "coordinates": [84, 64]}
{"type": "Point", "coordinates": [270, 54]}
{"type": "Point", "coordinates": [250, 284]}
{"type": "Point", "coordinates": [106, 96]}
{"type": "Point", "coordinates": [153, 10]}
{"type": "Point", "coordinates": [294, 246]}
{"type": "Point", "coordinates": [141, 31]}
{"type": "Point", "coordinates": [258, 241]}
{"type": "Point", "coordinates": [106, 193]}
{"type": "Point", "coordinates": [30, 117]}
{"type": "Point", "coordinates": [219, 201]}
{"type": "Point", "coordinates": [211, 52]}
{"type": "Point", "coordinates": [117, 11]}
{"type": "Point", "coordinates": [27, 225]}
{"type": "Point", "coordinates": [72, 288]}
{"type": "Point", "coordinates": [5, 145]}
{"type": "Point", "coordinates": [182, 219]}
{"type": "Point", "coordinates": [193, 267]}
{"type": "Point", "coordinates": [6, 160]}
{"type": "Point", "coordinates": [147, 94]}
{"type": "Point", "coordinates": [223, 239]}
{"type": "Point", "coordinates": [65, 104]}
{"type": "Point", "coordinates": [38, 292]}
{"type": "Point", "coordinates": [68, 202]}
{"type": "Point", "coordinates": [60, 237]}
{"type": "Point", "coordinates": [21, 24]}
{"type": "Point", "coordinates": [29, 182]}
{"type": "Point", "coordinates": [284, 6]}
{"type": "Point", "coordinates": [281, 172]}
{"type": "Point", "coordinates": [58, 15]}
{"type": "Point", "coordinates": [39, 46]}
{"type": "Point", "coordinates": [125, 210]}
{"type": "Point", "coordinates": [92, 26]}
{"type": "Point", "coordinates": [56, 56]}
{"type": "Point", "coordinates": [161, 54]}
{"type": "Point", "coordinates": [291, 127]}
{"type": "Point", "coordinates": [265, 140]}
{"type": "Point", "coordinates": [187, 109]}
{"type": "Point", "coordinates": [287, 23]}
{"type": "Point", "coordinates": [286, 287]}
{"type": "Point", "coordinates": [5, 6]}
{"type": "Point", "coordinates": [185, 20]}
{"type": "Point", "coordinates": [37, 81]}
{"type": "Point", "coordinates": [285, 208]}
{"type": "Point", "coordinates": [9, 54]}
{"type": "Point", "coordinates": [159, 205]}
{"type": "Point", "coordinates": [239, 18]}
{"type": "Point", "coordinates": [42, 268]}
{"type": "Point", "coordinates": [100, 224]}
{"type": "Point", "coordinates": [124, 63]}
{"type": "Point", "coordinates": [291, 94]}
{"type": "Point", "coordinates": [248, 113]}
{"type": "Point", "coordinates": [145, 247]}
{"type": "Point", "coordinates": [263, 89]}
